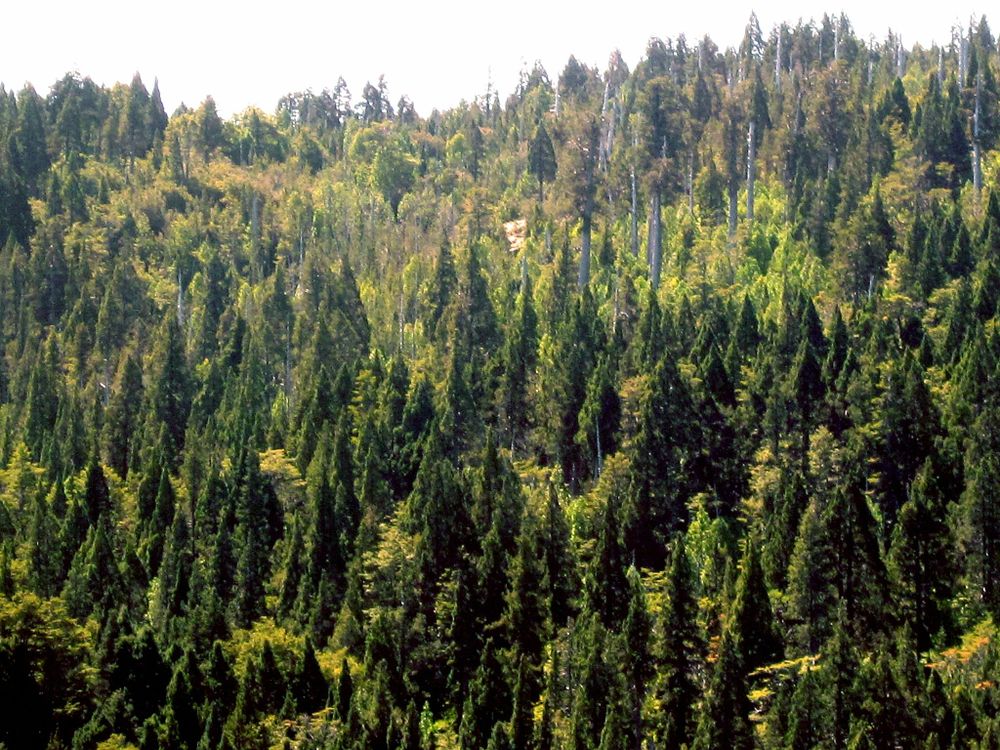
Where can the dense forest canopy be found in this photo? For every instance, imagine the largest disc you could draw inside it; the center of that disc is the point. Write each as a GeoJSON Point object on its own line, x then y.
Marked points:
{"type": "Point", "coordinates": [646, 408]}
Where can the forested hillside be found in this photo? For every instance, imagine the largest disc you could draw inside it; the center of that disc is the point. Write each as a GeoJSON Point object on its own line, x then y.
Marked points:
{"type": "Point", "coordinates": [647, 408]}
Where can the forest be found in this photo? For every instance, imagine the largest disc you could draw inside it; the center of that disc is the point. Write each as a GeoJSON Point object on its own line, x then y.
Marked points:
{"type": "Point", "coordinates": [647, 408]}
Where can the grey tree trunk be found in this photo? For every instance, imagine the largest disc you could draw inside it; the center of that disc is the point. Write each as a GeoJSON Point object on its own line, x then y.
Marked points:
{"type": "Point", "coordinates": [751, 167]}
{"type": "Point", "coordinates": [584, 278]}
{"type": "Point", "coordinates": [597, 437]}
{"type": "Point", "coordinates": [977, 152]}
{"type": "Point", "coordinates": [180, 300]}
{"type": "Point", "coordinates": [655, 238]}
{"type": "Point", "coordinates": [690, 181]}
{"type": "Point", "coordinates": [733, 197]}
{"type": "Point", "coordinates": [777, 65]}
{"type": "Point", "coordinates": [635, 214]}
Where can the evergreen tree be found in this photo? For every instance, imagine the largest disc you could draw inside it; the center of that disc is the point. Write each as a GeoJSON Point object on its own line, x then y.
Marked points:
{"type": "Point", "coordinates": [751, 618]}
{"type": "Point", "coordinates": [922, 561]}
{"type": "Point", "coordinates": [680, 649]}
{"type": "Point", "coordinates": [638, 665]}
{"type": "Point", "coordinates": [541, 159]}
{"type": "Point", "coordinates": [725, 713]}
{"type": "Point", "coordinates": [661, 456]}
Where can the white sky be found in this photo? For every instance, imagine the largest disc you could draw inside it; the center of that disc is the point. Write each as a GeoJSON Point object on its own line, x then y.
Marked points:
{"type": "Point", "coordinates": [435, 51]}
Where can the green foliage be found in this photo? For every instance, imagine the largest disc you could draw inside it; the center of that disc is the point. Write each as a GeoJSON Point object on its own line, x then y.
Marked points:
{"type": "Point", "coordinates": [325, 429]}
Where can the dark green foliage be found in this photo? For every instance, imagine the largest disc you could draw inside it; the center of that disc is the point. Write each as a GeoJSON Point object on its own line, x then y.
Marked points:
{"type": "Point", "coordinates": [725, 714]}
{"type": "Point", "coordinates": [922, 561]}
{"type": "Point", "coordinates": [662, 455]}
{"type": "Point", "coordinates": [542, 159]}
{"type": "Point", "coordinates": [751, 619]}
{"type": "Point", "coordinates": [680, 649]}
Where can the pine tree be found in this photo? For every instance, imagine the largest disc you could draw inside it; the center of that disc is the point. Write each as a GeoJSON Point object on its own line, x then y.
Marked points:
{"type": "Point", "coordinates": [811, 589]}
{"type": "Point", "coordinates": [253, 544]}
{"type": "Point", "coordinates": [638, 663]}
{"type": "Point", "coordinates": [488, 701]}
{"type": "Point", "coordinates": [594, 690]}
{"type": "Point", "coordinates": [522, 716]}
{"type": "Point", "coordinates": [122, 418]}
{"type": "Point", "coordinates": [806, 714]}
{"type": "Point", "coordinates": [541, 159]}
{"type": "Point", "coordinates": [170, 390]}
{"type": "Point", "coordinates": [560, 573]}
{"type": "Point", "coordinates": [751, 618]}
{"type": "Point", "coordinates": [661, 456]}
{"type": "Point", "coordinates": [922, 561]}
{"type": "Point", "coordinates": [680, 649]}
{"type": "Point", "coordinates": [724, 721]}
{"type": "Point", "coordinates": [526, 608]}
{"type": "Point", "coordinates": [909, 428]}
{"type": "Point", "coordinates": [519, 359]}
{"type": "Point", "coordinates": [980, 520]}
{"type": "Point", "coordinates": [606, 587]}
{"type": "Point", "coordinates": [444, 285]}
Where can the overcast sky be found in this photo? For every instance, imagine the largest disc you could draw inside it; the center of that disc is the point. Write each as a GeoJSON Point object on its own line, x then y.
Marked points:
{"type": "Point", "coordinates": [435, 51]}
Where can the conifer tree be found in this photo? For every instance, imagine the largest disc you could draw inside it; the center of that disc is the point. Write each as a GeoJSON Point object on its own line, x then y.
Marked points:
{"type": "Point", "coordinates": [724, 720]}
{"type": "Point", "coordinates": [661, 455]}
{"type": "Point", "coordinates": [679, 651]}
{"type": "Point", "coordinates": [606, 587]}
{"type": "Point", "coordinates": [560, 575]}
{"type": "Point", "coordinates": [638, 663]}
{"type": "Point", "coordinates": [751, 618]}
{"type": "Point", "coordinates": [922, 560]}
{"type": "Point", "coordinates": [526, 612]}
{"type": "Point", "coordinates": [542, 159]}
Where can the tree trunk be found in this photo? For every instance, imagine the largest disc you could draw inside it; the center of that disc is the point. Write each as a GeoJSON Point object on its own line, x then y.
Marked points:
{"type": "Point", "coordinates": [733, 197]}
{"type": "Point", "coordinates": [655, 238]}
{"type": "Point", "coordinates": [584, 279]}
{"type": "Point", "coordinates": [690, 181]}
{"type": "Point", "coordinates": [635, 215]}
{"type": "Point", "coordinates": [180, 300]}
{"type": "Point", "coordinates": [777, 65]}
{"type": "Point", "coordinates": [977, 154]}
{"type": "Point", "coordinates": [751, 167]}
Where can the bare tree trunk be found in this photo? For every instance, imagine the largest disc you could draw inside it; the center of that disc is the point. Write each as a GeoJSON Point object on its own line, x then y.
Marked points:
{"type": "Point", "coordinates": [690, 181]}
{"type": "Point", "coordinates": [977, 155]}
{"type": "Point", "coordinates": [655, 238]}
{"type": "Point", "coordinates": [961, 56]}
{"type": "Point", "coordinates": [180, 301]}
{"type": "Point", "coordinates": [733, 197]}
{"type": "Point", "coordinates": [584, 278]}
{"type": "Point", "coordinates": [751, 167]}
{"type": "Point", "coordinates": [255, 235]}
{"type": "Point", "coordinates": [597, 436]}
{"type": "Point", "coordinates": [635, 214]}
{"type": "Point", "coordinates": [288, 361]}
{"type": "Point", "coordinates": [777, 65]}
